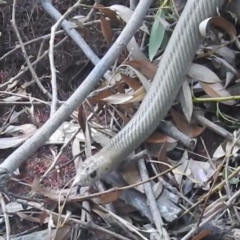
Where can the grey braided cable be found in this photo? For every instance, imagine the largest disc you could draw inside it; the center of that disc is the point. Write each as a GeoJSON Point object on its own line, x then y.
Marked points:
{"type": "Point", "coordinates": [172, 69]}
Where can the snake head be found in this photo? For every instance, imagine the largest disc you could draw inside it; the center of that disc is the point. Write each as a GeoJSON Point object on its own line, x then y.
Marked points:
{"type": "Point", "coordinates": [87, 174]}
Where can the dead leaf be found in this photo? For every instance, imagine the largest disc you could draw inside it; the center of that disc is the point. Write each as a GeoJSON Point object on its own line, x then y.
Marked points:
{"type": "Point", "coordinates": [76, 152]}
{"type": "Point", "coordinates": [221, 23]}
{"type": "Point", "coordinates": [43, 216]}
{"type": "Point", "coordinates": [76, 22]}
{"type": "Point", "coordinates": [106, 30]}
{"type": "Point", "coordinates": [182, 169]}
{"type": "Point", "coordinates": [191, 130]}
{"type": "Point", "coordinates": [23, 132]}
{"type": "Point", "coordinates": [224, 64]}
{"type": "Point", "coordinates": [203, 74]}
{"type": "Point", "coordinates": [141, 77]}
{"type": "Point", "coordinates": [198, 172]}
{"type": "Point", "coordinates": [131, 82]}
{"type": "Point", "coordinates": [35, 184]}
{"type": "Point", "coordinates": [157, 189]}
{"type": "Point", "coordinates": [131, 175]}
{"type": "Point", "coordinates": [145, 67]}
{"type": "Point", "coordinates": [224, 52]}
{"type": "Point", "coordinates": [88, 141]}
{"type": "Point", "coordinates": [21, 91]}
{"type": "Point", "coordinates": [201, 235]}
{"type": "Point", "coordinates": [162, 157]}
{"type": "Point", "coordinates": [222, 150]}
{"type": "Point", "coordinates": [118, 98]}
{"type": "Point", "coordinates": [185, 98]}
{"type": "Point", "coordinates": [108, 13]}
{"type": "Point", "coordinates": [82, 118]}
{"type": "Point", "coordinates": [31, 219]}
{"type": "Point", "coordinates": [125, 14]}
{"type": "Point", "coordinates": [63, 233]}
{"type": "Point", "coordinates": [216, 90]}
{"type": "Point", "coordinates": [158, 137]}
{"type": "Point", "coordinates": [213, 207]}
{"type": "Point", "coordinates": [136, 52]}
{"type": "Point", "coordinates": [109, 197]}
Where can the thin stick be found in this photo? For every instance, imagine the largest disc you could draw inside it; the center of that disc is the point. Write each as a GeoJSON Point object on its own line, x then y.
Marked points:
{"type": "Point", "coordinates": [25, 53]}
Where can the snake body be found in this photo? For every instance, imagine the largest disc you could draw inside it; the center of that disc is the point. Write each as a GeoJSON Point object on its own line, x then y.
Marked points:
{"type": "Point", "coordinates": [171, 72]}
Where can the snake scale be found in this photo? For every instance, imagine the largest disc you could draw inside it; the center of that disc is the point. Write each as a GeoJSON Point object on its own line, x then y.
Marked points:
{"type": "Point", "coordinates": [171, 72]}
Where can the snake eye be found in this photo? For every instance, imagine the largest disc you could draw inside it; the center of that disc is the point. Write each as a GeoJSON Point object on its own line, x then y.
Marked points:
{"type": "Point", "coordinates": [93, 174]}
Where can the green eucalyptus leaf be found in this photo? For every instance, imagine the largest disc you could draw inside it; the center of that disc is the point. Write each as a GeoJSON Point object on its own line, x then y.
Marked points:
{"type": "Point", "coordinates": [156, 35]}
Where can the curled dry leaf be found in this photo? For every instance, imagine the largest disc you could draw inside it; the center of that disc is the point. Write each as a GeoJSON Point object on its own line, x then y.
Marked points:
{"type": "Point", "coordinates": [221, 23]}
{"type": "Point", "coordinates": [106, 30]}
{"type": "Point", "coordinates": [191, 130]}
{"type": "Point", "coordinates": [203, 74]}
{"type": "Point", "coordinates": [216, 90]}
{"type": "Point", "coordinates": [141, 77]}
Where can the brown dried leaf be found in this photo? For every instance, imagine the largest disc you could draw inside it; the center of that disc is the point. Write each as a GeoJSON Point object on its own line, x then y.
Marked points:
{"type": "Point", "coordinates": [190, 130]}
{"type": "Point", "coordinates": [106, 30]}
{"type": "Point", "coordinates": [108, 13]}
{"type": "Point", "coordinates": [131, 82]}
{"type": "Point", "coordinates": [201, 235]}
{"type": "Point", "coordinates": [82, 118]}
{"type": "Point", "coordinates": [158, 137]}
{"type": "Point", "coordinates": [162, 157]}
{"type": "Point", "coordinates": [109, 197]}
{"type": "Point", "coordinates": [145, 67]}
{"type": "Point", "coordinates": [43, 216]}
{"type": "Point", "coordinates": [81, 27]}
{"type": "Point", "coordinates": [120, 87]}
{"type": "Point", "coordinates": [216, 90]}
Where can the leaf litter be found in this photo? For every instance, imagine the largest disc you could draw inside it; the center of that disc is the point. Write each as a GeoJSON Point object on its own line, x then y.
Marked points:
{"type": "Point", "coordinates": [120, 200]}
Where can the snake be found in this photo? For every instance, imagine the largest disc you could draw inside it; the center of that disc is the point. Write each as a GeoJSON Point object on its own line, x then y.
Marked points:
{"type": "Point", "coordinates": [173, 67]}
